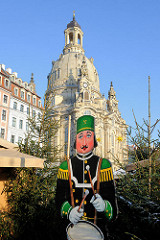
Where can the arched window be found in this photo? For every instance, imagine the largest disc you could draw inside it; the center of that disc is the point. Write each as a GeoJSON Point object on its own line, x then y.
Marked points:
{"type": "Point", "coordinates": [86, 96]}
{"type": "Point", "coordinates": [87, 112]}
{"type": "Point", "coordinates": [79, 39]}
{"type": "Point", "coordinates": [112, 139]}
{"type": "Point", "coordinates": [71, 37]}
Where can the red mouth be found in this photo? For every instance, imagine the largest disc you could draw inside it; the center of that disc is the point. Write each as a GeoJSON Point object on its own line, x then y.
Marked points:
{"type": "Point", "coordinates": [84, 147]}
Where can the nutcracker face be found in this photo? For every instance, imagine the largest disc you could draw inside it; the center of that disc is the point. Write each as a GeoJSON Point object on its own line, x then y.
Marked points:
{"type": "Point", "coordinates": [85, 142]}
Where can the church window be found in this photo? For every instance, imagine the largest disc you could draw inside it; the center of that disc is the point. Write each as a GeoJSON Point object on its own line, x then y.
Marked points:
{"type": "Point", "coordinates": [86, 96]}
{"type": "Point", "coordinates": [112, 139]}
{"type": "Point", "coordinates": [79, 39]}
{"type": "Point", "coordinates": [54, 75]}
{"type": "Point", "coordinates": [87, 112]}
{"type": "Point", "coordinates": [71, 37]}
{"type": "Point", "coordinates": [79, 71]}
{"type": "Point", "coordinates": [58, 73]}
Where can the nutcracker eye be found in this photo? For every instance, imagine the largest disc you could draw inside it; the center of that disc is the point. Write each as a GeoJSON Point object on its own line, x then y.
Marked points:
{"type": "Point", "coordinates": [89, 134]}
{"type": "Point", "coordinates": [80, 135]}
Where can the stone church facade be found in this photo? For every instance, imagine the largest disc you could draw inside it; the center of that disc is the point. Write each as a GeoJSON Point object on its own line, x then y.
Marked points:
{"type": "Point", "coordinates": [73, 85]}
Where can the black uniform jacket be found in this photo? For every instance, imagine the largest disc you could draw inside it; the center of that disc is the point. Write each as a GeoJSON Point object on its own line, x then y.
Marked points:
{"type": "Point", "coordinates": [81, 182]}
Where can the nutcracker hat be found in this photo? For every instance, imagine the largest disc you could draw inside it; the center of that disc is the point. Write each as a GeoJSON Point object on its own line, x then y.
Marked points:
{"type": "Point", "coordinates": [84, 123]}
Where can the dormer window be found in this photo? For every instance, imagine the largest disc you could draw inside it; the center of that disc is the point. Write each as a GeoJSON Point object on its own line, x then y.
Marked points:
{"type": "Point", "coordinates": [6, 83]}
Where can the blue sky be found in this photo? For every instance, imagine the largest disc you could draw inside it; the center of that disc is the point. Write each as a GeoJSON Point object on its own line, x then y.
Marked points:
{"type": "Point", "coordinates": [122, 36]}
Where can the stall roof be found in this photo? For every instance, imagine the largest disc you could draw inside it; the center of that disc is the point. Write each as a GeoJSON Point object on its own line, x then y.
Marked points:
{"type": "Point", "coordinates": [11, 157]}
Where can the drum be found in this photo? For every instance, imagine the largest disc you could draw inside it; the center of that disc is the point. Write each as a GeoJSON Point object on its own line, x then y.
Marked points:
{"type": "Point", "coordinates": [84, 230]}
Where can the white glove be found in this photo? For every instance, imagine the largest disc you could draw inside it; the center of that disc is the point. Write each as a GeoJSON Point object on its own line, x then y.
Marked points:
{"type": "Point", "coordinates": [98, 203]}
{"type": "Point", "coordinates": [75, 216]}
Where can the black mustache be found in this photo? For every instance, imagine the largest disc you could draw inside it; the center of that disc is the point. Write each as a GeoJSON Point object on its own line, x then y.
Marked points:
{"type": "Point", "coordinates": [84, 146]}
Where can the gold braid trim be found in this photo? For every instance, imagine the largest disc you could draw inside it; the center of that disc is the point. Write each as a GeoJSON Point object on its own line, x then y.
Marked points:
{"type": "Point", "coordinates": [106, 175]}
{"type": "Point", "coordinates": [63, 174]}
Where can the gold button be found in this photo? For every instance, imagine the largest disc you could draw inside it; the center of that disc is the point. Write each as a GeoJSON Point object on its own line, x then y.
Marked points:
{"type": "Point", "coordinates": [109, 214]}
{"type": "Point", "coordinates": [106, 210]}
{"type": "Point", "coordinates": [66, 213]}
{"type": "Point", "coordinates": [85, 161]}
{"type": "Point", "coordinates": [63, 212]}
{"type": "Point", "coordinates": [95, 191]}
{"type": "Point", "coordinates": [77, 200]}
{"type": "Point", "coordinates": [73, 190]}
{"type": "Point", "coordinates": [85, 214]}
{"type": "Point", "coordinates": [85, 171]}
{"type": "Point", "coordinates": [85, 189]}
{"type": "Point", "coordinates": [85, 181]}
{"type": "Point", "coordinates": [85, 202]}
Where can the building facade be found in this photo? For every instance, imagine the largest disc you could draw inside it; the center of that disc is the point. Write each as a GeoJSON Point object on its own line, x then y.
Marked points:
{"type": "Point", "coordinates": [73, 86]}
{"type": "Point", "coordinates": [18, 101]}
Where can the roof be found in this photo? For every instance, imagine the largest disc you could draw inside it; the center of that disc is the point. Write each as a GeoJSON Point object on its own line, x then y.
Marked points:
{"type": "Point", "coordinates": [73, 23]}
{"type": "Point", "coordinates": [11, 157]}
{"type": "Point", "coordinates": [142, 163]}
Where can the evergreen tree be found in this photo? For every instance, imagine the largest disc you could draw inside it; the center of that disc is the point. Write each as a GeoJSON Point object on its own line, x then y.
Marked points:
{"type": "Point", "coordinates": [31, 213]}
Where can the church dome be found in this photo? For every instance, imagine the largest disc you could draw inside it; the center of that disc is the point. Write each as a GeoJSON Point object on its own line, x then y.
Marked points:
{"type": "Point", "coordinates": [74, 67]}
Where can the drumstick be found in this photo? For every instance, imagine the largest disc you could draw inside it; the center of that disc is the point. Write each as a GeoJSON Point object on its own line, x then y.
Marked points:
{"type": "Point", "coordinates": [69, 170]}
{"type": "Point", "coordinates": [88, 167]}
{"type": "Point", "coordinates": [85, 195]}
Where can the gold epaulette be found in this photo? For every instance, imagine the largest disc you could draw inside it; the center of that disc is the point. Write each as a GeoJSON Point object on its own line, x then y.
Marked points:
{"type": "Point", "coordinates": [63, 174]}
{"type": "Point", "coordinates": [106, 175]}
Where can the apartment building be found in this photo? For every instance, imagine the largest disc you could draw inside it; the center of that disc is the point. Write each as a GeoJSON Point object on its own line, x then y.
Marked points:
{"type": "Point", "coordinates": [18, 101]}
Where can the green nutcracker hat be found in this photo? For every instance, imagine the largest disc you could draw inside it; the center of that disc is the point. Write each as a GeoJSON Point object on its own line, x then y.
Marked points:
{"type": "Point", "coordinates": [84, 123]}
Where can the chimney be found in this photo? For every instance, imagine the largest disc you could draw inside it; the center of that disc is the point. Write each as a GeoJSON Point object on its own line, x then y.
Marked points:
{"type": "Point", "coordinates": [3, 66]}
{"type": "Point", "coordinates": [9, 70]}
{"type": "Point", "coordinates": [15, 74]}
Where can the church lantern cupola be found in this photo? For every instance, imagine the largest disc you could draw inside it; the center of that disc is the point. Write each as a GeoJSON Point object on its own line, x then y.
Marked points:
{"type": "Point", "coordinates": [73, 37]}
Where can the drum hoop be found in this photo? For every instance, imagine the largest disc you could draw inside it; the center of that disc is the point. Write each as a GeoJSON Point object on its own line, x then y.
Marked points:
{"type": "Point", "coordinates": [83, 221]}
